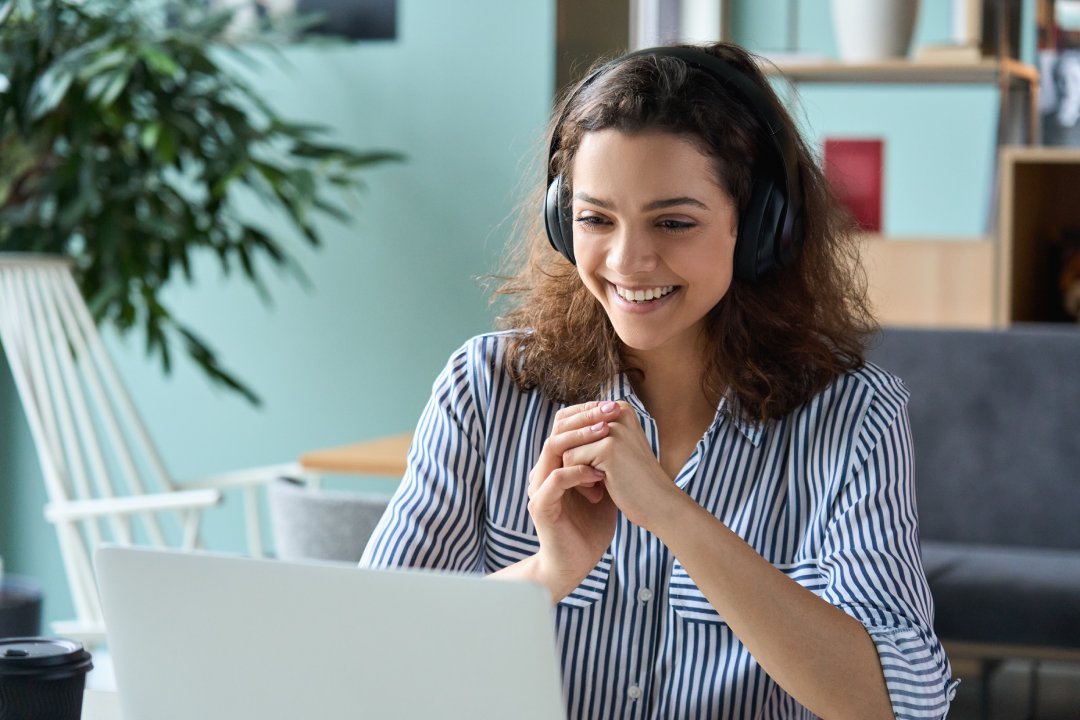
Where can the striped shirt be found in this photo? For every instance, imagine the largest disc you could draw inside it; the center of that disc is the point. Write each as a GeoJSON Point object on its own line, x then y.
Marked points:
{"type": "Point", "coordinates": [825, 494]}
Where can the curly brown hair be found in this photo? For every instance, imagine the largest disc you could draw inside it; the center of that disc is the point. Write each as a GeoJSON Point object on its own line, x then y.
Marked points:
{"type": "Point", "coordinates": [776, 342]}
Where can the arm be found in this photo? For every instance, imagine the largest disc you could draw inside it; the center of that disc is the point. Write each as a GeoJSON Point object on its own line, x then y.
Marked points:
{"type": "Point", "coordinates": [821, 656]}
{"type": "Point", "coordinates": [865, 648]}
{"type": "Point", "coordinates": [435, 518]}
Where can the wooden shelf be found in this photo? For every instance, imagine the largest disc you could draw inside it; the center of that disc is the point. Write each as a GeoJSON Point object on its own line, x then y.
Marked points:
{"type": "Point", "coordinates": [905, 71]}
{"type": "Point", "coordinates": [931, 281]}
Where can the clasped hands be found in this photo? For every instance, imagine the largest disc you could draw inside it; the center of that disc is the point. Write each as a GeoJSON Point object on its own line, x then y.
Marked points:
{"type": "Point", "coordinates": [595, 463]}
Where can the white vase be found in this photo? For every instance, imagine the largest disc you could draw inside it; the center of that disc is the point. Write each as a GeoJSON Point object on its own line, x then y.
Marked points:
{"type": "Point", "coordinates": [869, 30]}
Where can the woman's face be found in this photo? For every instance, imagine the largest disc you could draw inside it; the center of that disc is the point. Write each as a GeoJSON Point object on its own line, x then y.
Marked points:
{"type": "Point", "coordinates": [654, 235]}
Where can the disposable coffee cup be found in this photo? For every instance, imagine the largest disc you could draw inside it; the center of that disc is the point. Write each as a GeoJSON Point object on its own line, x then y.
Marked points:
{"type": "Point", "coordinates": [42, 678]}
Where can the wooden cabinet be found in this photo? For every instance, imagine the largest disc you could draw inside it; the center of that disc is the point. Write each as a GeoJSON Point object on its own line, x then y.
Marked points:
{"type": "Point", "coordinates": [1040, 189]}
{"type": "Point", "coordinates": [939, 282]}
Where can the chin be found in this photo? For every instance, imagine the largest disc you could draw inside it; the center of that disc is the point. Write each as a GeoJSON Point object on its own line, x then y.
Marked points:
{"type": "Point", "coordinates": [641, 342]}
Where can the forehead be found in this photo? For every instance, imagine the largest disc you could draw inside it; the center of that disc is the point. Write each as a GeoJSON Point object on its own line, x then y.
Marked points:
{"type": "Point", "coordinates": [646, 160]}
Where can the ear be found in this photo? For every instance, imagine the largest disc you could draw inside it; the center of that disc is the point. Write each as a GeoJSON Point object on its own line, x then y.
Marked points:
{"type": "Point", "coordinates": [558, 219]}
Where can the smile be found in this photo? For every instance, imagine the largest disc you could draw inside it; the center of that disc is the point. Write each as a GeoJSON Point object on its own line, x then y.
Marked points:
{"type": "Point", "coordinates": [638, 296]}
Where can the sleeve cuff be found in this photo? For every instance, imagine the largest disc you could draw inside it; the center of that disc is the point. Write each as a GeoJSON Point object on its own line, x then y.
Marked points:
{"type": "Point", "coordinates": [918, 676]}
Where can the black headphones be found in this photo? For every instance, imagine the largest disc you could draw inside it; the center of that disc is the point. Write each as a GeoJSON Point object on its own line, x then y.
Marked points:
{"type": "Point", "coordinates": [770, 224]}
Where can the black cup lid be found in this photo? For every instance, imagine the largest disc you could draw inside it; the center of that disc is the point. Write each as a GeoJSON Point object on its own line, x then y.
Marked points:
{"type": "Point", "coordinates": [42, 655]}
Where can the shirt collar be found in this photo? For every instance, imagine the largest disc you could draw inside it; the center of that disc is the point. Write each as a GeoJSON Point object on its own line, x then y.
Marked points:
{"type": "Point", "coordinates": [622, 389]}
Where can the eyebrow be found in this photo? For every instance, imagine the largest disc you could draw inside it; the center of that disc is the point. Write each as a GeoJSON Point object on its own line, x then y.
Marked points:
{"type": "Point", "coordinates": [654, 205]}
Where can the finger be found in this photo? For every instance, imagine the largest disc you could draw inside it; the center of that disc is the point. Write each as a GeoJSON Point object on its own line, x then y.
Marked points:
{"type": "Point", "coordinates": [556, 446]}
{"type": "Point", "coordinates": [594, 493]}
{"type": "Point", "coordinates": [546, 498]}
{"type": "Point", "coordinates": [570, 410]}
{"type": "Point", "coordinates": [588, 414]}
{"type": "Point", "coordinates": [592, 453]}
{"type": "Point", "coordinates": [574, 425]}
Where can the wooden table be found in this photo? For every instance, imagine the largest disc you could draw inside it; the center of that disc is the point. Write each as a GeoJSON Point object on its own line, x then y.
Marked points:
{"type": "Point", "coordinates": [382, 456]}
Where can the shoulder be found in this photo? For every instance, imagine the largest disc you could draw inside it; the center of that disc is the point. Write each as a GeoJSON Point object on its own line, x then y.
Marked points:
{"type": "Point", "coordinates": [859, 404]}
{"type": "Point", "coordinates": [858, 412]}
{"type": "Point", "coordinates": [477, 367]}
{"type": "Point", "coordinates": [885, 389]}
{"type": "Point", "coordinates": [476, 377]}
{"type": "Point", "coordinates": [881, 399]}
{"type": "Point", "coordinates": [485, 352]}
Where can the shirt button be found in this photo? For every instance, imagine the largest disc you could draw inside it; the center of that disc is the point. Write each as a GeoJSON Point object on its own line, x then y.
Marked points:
{"type": "Point", "coordinates": [634, 692]}
{"type": "Point", "coordinates": [644, 595]}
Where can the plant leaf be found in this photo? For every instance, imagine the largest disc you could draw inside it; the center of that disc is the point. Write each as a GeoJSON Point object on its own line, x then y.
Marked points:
{"type": "Point", "coordinates": [48, 91]}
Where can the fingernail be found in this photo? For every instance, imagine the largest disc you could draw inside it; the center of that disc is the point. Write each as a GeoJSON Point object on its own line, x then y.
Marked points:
{"type": "Point", "coordinates": [597, 473]}
{"type": "Point", "coordinates": [597, 427]}
{"type": "Point", "coordinates": [608, 406]}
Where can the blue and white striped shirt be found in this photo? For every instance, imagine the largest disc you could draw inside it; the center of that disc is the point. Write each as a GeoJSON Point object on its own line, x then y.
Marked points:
{"type": "Point", "coordinates": [825, 494]}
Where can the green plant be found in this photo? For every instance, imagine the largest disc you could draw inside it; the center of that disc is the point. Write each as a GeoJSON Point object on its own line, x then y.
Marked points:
{"type": "Point", "coordinates": [124, 144]}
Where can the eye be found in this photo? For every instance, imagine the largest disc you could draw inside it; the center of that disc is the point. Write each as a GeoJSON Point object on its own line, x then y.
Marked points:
{"type": "Point", "coordinates": [590, 222]}
{"type": "Point", "coordinates": [672, 225]}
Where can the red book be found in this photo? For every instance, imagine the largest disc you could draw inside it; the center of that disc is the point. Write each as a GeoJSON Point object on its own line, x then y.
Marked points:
{"type": "Point", "coordinates": [854, 170]}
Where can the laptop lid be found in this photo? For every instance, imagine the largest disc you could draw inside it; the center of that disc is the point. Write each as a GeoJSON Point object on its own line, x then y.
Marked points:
{"type": "Point", "coordinates": [195, 635]}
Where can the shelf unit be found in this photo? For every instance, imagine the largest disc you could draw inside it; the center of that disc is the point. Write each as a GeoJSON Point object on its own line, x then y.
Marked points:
{"type": "Point", "coordinates": [936, 281]}
{"type": "Point", "coordinates": [1037, 184]}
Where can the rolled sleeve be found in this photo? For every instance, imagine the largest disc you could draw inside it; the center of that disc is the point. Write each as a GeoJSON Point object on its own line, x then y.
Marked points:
{"type": "Point", "coordinates": [874, 573]}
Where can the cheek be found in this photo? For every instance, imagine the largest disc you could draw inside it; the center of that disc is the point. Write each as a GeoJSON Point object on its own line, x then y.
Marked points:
{"type": "Point", "coordinates": [587, 263]}
{"type": "Point", "coordinates": [592, 283]}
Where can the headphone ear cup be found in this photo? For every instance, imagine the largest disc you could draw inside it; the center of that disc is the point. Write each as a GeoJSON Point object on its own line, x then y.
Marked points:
{"type": "Point", "coordinates": [757, 245]}
{"type": "Point", "coordinates": [558, 220]}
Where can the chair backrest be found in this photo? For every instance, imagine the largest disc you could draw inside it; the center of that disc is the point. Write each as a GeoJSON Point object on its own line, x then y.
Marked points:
{"type": "Point", "coordinates": [313, 524]}
{"type": "Point", "coordinates": [88, 437]}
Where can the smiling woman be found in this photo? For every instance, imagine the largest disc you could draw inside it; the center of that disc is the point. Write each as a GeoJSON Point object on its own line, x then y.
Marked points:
{"type": "Point", "coordinates": [677, 434]}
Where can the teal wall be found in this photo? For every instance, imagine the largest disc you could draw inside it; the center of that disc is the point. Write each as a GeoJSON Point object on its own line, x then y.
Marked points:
{"type": "Point", "coordinates": [464, 91]}
{"type": "Point", "coordinates": [939, 140]}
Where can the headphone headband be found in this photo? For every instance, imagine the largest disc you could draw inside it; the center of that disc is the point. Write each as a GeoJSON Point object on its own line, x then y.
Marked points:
{"type": "Point", "coordinates": [771, 215]}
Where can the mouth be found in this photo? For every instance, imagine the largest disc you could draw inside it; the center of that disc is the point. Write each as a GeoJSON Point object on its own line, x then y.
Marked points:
{"type": "Point", "coordinates": [643, 296]}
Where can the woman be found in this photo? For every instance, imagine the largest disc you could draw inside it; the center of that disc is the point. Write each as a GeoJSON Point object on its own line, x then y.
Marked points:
{"type": "Point", "coordinates": [678, 435]}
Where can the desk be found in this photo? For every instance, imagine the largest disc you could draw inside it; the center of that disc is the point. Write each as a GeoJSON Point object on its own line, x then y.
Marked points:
{"type": "Point", "coordinates": [383, 456]}
{"type": "Point", "coordinates": [101, 705]}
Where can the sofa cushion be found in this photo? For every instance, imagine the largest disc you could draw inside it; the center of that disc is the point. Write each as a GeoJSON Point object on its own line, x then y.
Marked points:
{"type": "Point", "coordinates": [999, 595]}
{"type": "Point", "coordinates": [995, 418]}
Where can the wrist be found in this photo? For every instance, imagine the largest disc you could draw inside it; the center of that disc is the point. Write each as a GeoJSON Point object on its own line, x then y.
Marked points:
{"type": "Point", "coordinates": [671, 512]}
{"type": "Point", "coordinates": [558, 584]}
{"type": "Point", "coordinates": [533, 569]}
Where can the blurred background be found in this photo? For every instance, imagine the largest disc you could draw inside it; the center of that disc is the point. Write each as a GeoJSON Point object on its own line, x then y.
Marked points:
{"type": "Point", "coordinates": [463, 89]}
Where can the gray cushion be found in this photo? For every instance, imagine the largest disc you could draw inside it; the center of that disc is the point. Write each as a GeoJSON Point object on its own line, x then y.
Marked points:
{"type": "Point", "coordinates": [1004, 595]}
{"type": "Point", "coordinates": [310, 524]}
{"type": "Point", "coordinates": [995, 418]}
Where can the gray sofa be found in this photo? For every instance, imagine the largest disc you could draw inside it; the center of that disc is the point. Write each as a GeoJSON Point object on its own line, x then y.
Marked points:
{"type": "Point", "coordinates": [995, 418]}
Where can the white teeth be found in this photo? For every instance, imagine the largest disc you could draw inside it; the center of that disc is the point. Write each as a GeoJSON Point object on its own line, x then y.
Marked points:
{"type": "Point", "coordinates": [644, 295]}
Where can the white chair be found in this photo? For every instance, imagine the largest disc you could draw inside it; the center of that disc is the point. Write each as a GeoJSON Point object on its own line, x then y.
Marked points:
{"type": "Point", "coordinates": [104, 479]}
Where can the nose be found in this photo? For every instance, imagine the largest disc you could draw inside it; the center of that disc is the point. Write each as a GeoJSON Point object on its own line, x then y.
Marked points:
{"type": "Point", "coordinates": [631, 252]}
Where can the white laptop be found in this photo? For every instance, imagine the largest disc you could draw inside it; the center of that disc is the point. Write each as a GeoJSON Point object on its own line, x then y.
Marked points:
{"type": "Point", "coordinates": [195, 635]}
